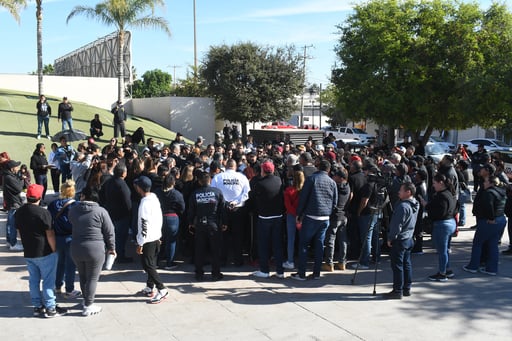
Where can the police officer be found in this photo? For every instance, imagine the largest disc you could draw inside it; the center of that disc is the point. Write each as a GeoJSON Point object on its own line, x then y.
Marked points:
{"type": "Point", "coordinates": [205, 217]}
{"type": "Point", "coordinates": [235, 188]}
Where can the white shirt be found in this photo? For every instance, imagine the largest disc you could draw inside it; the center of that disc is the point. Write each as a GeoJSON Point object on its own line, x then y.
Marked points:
{"type": "Point", "coordinates": [233, 185]}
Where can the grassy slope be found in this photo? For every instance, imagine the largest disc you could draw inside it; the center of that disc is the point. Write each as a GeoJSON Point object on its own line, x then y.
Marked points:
{"type": "Point", "coordinates": [18, 124]}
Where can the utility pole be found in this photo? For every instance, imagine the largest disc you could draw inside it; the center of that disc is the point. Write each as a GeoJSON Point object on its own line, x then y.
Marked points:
{"type": "Point", "coordinates": [320, 97]}
{"type": "Point", "coordinates": [174, 74]}
{"type": "Point", "coordinates": [195, 43]}
{"type": "Point", "coordinates": [305, 47]}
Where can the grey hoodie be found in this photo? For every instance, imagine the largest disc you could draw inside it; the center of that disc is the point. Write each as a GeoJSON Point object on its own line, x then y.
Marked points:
{"type": "Point", "coordinates": [404, 217]}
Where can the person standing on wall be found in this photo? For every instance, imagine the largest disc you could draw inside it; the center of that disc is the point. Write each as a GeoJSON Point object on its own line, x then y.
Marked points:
{"type": "Point", "coordinates": [119, 119]}
{"type": "Point", "coordinates": [64, 114]}
{"type": "Point", "coordinates": [43, 116]}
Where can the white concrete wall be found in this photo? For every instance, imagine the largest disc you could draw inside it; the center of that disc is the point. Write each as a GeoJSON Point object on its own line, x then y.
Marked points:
{"type": "Point", "coordinates": [191, 116]}
{"type": "Point", "coordinates": [100, 92]}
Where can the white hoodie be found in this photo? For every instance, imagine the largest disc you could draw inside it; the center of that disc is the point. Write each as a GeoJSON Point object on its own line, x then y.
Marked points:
{"type": "Point", "coordinates": [149, 220]}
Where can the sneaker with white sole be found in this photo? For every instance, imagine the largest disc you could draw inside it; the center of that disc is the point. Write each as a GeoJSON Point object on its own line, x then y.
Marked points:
{"type": "Point", "coordinates": [159, 297]}
{"type": "Point", "coordinates": [55, 311]}
{"type": "Point", "coordinates": [289, 265]}
{"type": "Point", "coordinates": [92, 309]}
{"type": "Point", "coordinates": [296, 276]}
{"type": "Point", "coordinates": [16, 247]}
{"type": "Point", "coordinates": [490, 273]}
{"type": "Point", "coordinates": [280, 276]}
{"type": "Point", "coordinates": [39, 311]}
{"type": "Point", "coordinates": [73, 294]}
{"type": "Point", "coordinates": [260, 274]}
{"type": "Point", "coordinates": [467, 269]}
{"type": "Point", "coordinates": [147, 291]}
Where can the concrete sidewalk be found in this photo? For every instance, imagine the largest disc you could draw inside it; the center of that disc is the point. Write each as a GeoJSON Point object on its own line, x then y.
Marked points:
{"type": "Point", "coordinates": [468, 307]}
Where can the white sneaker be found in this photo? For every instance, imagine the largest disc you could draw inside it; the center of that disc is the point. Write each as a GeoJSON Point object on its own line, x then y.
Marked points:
{"type": "Point", "coordinates": [38, 137]}
{"type": "Point", "coordinates": [49, 137]}
{"type": "Point", "coordinates": [93, 309]}
{"type": "Point", "coordinates": [16, 247]}
{"type": "Point", "coordinates": [159, 297]}
{"type": "Point", "coordinates": [288, 265]}
{"type": "Point", "coordinates": [280, 276]}
{"type": "Point", "coordinates": [260, 274]}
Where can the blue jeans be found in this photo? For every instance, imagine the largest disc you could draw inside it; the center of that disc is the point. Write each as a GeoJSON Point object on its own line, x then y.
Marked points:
{"type": "Point", "coordinates": [291, 230]}
{"type": "Point", "coordinates": [66, 171]}
{"type": "Point", "coordinates": [270, 233]}
{"type": "Point", "coordinates": [69, 121]}
{"type": "Point", "coordinates": [369, 237]}
{"type": "Point", "coordinates": [442, 230]}
{"type": "Point", "coordinates": [65, 265]}
{"type": "Point", "coordinates": [488, 235]}
{"type": "Point", "coordinates": [337, 230]}
{"type": "Point", "coordinates": [312, 230]}
{"type": "Point", "coordinates": [121, 228]}
{"type": "Point", "coordinates": [10, 235]}
{"type": "Point", "coordinates": [170, 235]}
{"type": "Point", "coordinates": [400, 256]}
{"type": "Point", "coordinates": [462, 213]}
{"type": "Point", "coordinates": [42, 268]}
{"type": "Point", "coordinates": [40, 121]}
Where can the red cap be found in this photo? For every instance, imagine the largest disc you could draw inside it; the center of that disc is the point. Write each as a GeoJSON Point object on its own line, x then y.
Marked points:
{"type": "Point", "coordinates": [35, 191]}
{"type": "Point", "coordinates": [355, 158]}
{"type": "Point", "coordinates": [267, 167]}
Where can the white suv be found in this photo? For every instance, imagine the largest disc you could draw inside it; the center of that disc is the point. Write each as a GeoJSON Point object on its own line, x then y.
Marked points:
{"type": "Point", "coordinates": [347, 133]}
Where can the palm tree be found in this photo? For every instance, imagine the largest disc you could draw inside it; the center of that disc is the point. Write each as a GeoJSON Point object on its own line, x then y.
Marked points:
{"type": "Point", "coordinates": [39, 18]}
{"type": "Point", "coordinates": [123, 14]}
{"type": "Point", "coordinates": [14, 7]}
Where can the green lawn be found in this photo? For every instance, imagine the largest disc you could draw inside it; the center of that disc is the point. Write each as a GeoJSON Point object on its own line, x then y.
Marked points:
{"type": "Point", "coordinates": [18, 124]}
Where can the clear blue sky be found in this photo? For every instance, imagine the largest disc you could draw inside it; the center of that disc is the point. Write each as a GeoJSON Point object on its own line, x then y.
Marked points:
{"type": "Point", "coordinates": [265, 22]}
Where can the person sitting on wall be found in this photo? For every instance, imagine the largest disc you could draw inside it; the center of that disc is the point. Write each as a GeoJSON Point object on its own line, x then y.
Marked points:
{"type": "Point", "coordinates": [96, 128]}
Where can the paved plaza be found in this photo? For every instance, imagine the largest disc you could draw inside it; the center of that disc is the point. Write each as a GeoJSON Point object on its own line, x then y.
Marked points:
{"type": "Point", "coordinates": [468, 307]}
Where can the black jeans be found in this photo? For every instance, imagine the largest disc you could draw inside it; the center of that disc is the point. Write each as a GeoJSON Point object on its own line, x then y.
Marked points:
{"type": "Point", "coordinates": [149, 260]}
{"type": "Point", "coordinates": [233, 237]}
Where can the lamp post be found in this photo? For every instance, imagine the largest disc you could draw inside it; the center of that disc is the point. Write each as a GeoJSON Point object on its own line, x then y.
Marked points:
{"type": "Point", "coordinates": [312, 113]}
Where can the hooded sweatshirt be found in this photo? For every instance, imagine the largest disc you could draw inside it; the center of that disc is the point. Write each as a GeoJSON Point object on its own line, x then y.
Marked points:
{"type": "Point", "coordinates": [404, 217]}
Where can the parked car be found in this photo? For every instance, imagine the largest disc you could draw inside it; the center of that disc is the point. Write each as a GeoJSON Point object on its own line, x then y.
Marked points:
{"type": "Point", "coordinates": [447, 146]}
{"type": "Point", "coordinates": [435, 151]}
{"type": "Point", "coordinates": [347, 133]}
{"type": "Point", "coordinates": [279, 125]}
{"type": "Point", "coordinates": [506, 157]}
{"type": "Point", "coordinates": [490, 145]}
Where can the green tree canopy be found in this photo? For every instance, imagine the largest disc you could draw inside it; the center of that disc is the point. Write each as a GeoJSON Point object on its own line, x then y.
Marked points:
{"type": "Point", "coordinates": [422, 64]}
{"type": "Point", "coordinates": [154, 83]}
{"type": "Point", "coordinates": [251, 83]}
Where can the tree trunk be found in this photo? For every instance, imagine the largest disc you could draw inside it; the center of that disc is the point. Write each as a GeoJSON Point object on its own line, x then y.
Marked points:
{"type": "Point", "coordinates": [244, 130]}
{"type": "Point", "coordinates": [120, 67]}
{"type": "Point", "coordinates": [39, 17]}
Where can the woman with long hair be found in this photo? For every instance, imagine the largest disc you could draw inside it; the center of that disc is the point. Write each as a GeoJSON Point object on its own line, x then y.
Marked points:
{"type": "Point", "coordinates": [173, 206]}
{"type": "Point", "coordinates": [39, 164]}
{"type": "Point", "coordinates": [489, 210]}
{"type": "Point", "coordinates": [441, 209]}
{"type": "Point", "coordinates": [291, 201]}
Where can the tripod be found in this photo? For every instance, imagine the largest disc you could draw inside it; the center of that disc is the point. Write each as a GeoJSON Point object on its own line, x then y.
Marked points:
{"type": "Point", "coordinates": [374, 212]}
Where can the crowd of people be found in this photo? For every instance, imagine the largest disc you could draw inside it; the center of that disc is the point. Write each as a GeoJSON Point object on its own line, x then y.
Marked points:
{"type": "Point", "coordinates": [271, 205]}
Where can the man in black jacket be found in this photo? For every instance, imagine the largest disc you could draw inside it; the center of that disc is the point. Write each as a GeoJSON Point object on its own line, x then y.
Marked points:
{"type": "Point", "coordinates": [119, 119]}
{"type": "Point", "coordinates": [205, 218]}
{"type": "Point", "coordinates": [43, 116]}
{"type": "Point", "coordinates": [118, 204]}
{"type": "Point", "coordinates": [64, 114]}
{"type": "Point", "coordinates": [12, 199]}
{"type": "Point", "coordinates": [267, 195]}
